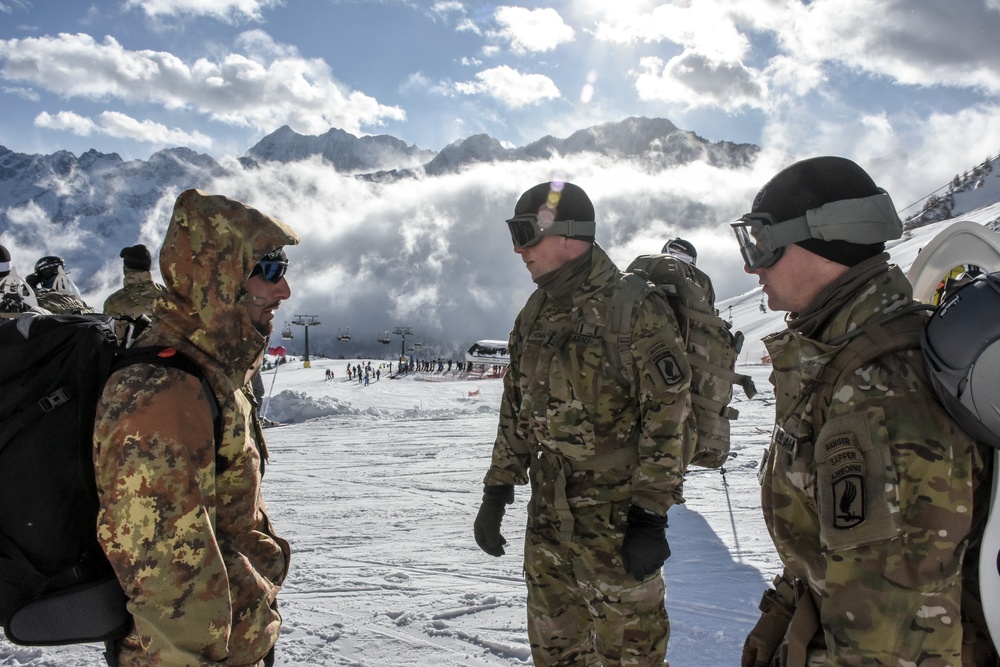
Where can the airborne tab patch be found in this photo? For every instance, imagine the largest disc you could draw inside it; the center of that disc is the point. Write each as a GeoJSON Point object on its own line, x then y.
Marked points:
{"type": "Point", "coordinates": [846, 464]}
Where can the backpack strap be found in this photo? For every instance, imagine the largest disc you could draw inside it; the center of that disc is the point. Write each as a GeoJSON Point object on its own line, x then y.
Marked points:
{"type": "Point", "coordinates": [900, 330]}
{"type": "Point", "coordinates": [162, 355]}
{"type": "Point", "coordinates": [631, 291]}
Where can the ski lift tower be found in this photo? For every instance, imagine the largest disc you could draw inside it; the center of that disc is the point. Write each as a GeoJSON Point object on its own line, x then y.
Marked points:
{"type": "Point", "coordinates": [404, 332]}
{"type": "Point", "coordinates": [306, 321]}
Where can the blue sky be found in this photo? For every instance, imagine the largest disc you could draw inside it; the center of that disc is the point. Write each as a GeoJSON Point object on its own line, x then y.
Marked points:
{"type": "Point", "coordinates": [894, 80]}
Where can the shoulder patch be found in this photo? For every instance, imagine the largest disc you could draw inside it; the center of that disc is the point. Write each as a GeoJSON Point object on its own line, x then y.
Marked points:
{"type": "Point", "coordinates": [662, 356]}
{"type": "Point", "coordinates": [846, 464]}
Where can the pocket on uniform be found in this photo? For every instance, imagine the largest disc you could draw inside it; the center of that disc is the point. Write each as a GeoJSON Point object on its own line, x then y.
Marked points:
{"type": "Point", "coordinates": [857, 488]}
{"type": "Point", "coordinates": [574, 387]}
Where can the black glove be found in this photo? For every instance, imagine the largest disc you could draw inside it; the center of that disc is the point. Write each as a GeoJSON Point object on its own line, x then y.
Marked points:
{"type": "Point", "coordinates": [645, 546]}
{"type": "Point", "coordinates": [490, 515]}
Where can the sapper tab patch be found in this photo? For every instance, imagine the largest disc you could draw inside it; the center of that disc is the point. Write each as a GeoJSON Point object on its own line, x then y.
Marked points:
{"type": "Point", "coordinates": [847, 479]}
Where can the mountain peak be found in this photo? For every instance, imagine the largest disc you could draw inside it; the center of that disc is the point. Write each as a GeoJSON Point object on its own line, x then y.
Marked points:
{"type": "Point", "coordinates": [344, 151]}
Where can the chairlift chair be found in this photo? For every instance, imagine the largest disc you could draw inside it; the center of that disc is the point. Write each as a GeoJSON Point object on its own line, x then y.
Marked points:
{"type": "Point", "coordinates": [345, 334]}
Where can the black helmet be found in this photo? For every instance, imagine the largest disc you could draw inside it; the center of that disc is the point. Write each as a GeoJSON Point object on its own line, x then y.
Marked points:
{"type": "Point", "coordinates": [48, 266]}
{"type": "Point", "coordinates": [681, 248]}
{"type": "Point", "coordinates": [962, 353]}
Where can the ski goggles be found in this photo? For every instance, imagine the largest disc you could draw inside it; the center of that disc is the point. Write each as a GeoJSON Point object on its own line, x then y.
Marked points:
{"type": "Point", "coordinates": [527, 230]}
{"type": "Point", "coordinates": [271, 270]}
{"type": "Point", "coordinates": [762, 239]}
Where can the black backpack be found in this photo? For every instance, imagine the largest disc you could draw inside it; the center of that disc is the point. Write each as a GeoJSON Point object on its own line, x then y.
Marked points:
{"type": "Point", "coordinates": [56, 585]}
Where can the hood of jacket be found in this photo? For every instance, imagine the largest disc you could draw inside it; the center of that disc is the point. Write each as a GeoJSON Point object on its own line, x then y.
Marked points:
{"type": "Point", "coordinates": [211, 245]}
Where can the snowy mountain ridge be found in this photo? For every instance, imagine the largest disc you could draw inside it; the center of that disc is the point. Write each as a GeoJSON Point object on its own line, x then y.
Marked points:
{"type": "Point", "coordinates": [422, 246]}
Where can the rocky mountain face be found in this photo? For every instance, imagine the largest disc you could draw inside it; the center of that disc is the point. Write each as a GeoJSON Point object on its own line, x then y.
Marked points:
{"type": "Point", "coordinates": [111, 198]}
{"type": "Point", "coordinates": [654, 142]}
{"type": "Point", "coordinates": [96, 190]}
{"type": "Point", "coordinates": [343, 151]}
{"type": "Point", "coordinates": [966, 192]}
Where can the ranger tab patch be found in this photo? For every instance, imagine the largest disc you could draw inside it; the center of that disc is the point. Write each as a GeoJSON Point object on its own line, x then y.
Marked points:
{"type": "Point", "coordinates": [847, 477]}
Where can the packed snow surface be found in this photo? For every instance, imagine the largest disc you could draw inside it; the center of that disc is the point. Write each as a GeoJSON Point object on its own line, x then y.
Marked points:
{"type": "Point", "coordinates": [376, 487]}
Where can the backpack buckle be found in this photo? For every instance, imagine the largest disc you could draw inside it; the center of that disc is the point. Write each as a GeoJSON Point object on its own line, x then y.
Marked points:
{"type": "Point", "coordinates": [53, 400]}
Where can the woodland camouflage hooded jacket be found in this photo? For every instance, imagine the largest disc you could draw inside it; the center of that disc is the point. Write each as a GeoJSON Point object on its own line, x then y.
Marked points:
{"type": "Point", "coordinates": [185, 526]}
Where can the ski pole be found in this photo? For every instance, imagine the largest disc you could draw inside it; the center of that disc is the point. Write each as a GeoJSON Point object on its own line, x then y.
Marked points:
{"type": "Point", "coordinates": [732, 519]}
{"type": "Point", "coordinates": [267, 404]}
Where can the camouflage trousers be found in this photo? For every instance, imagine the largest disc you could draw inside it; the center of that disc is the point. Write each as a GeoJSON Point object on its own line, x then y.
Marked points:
{"type": "Point", "coordinates": [584, 610]}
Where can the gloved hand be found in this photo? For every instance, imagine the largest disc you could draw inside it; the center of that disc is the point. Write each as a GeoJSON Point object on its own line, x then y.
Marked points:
{"type": "Point", "coordinates": [490, 515]}
{"type": "Point", "coordinates": [645, 546]}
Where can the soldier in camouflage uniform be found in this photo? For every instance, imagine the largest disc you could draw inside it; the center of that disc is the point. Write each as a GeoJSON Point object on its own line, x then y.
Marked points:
{"type": "Point", "coordinates": [872, 494]}
{"type": "Point", "coordinates": [54, 289]}
{"type": "Point", "coordinates": [182, 521]}
{"type": "Point", "coordinates": [138, 292]}
{"type": "Point", "coordinates": [605, 454]}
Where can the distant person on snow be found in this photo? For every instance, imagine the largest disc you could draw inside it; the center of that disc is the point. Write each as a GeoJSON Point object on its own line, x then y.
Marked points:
{"type": "Point", "coordinates": [871, 492]}
{"type": "Point", "coordinates": [182, 518]}
{"type": "Point", "coordinates": [138, 292]}
{"type": "Point", "coordinates": [605, 460]}
{"type": "Point", "coordinates": [681, 249]}
{"type": "Point", "coordinates": [56, 291]}
{"type": "Point", "coordinates": [16, 296]}
{"type": "Point", "coordinates": [5, 263]}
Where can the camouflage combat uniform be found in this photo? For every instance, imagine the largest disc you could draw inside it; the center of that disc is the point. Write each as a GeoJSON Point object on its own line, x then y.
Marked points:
{"type": "Point", "coordinates": [873, 513]}
{"type": "Point", "coordinates": [134, 299]}
{"type": "Point", "coordinates": [61, 304]}
{"type": "Point", "coordinates": [591, 444]}
{"type": "Point", "coordinates": [184, 526]}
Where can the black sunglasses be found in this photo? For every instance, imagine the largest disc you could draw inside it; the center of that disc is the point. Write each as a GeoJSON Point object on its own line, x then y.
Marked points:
{"type": "Point", "coordinates": [270, 270]}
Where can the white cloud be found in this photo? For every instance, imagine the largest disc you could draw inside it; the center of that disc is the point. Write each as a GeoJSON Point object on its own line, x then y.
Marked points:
{"type": "Point", "coordinates": [917, 42]}
{"type": "Point", "coordinates": [386, 272]}
{"type": "Point", "coordinates": [66, 120]}
{"type": "Point", "coordinates": [271, 87]}
{"type": "Point", "coordinates": [8, 6]}
{"type": "Point", "coordinates": [531, 30]}
{"type": "Point", "coordinates": [225, 10]}
{"type": "Point", "coordinates": [512, 88]}
{"type": "Point", "coordinates": [468, 25]}
{"type": "Point", "coordinates": [445, 7]}
{"type": "Point", "coordinates": [693, 80]}
{"type": "Point", "coordinates": [26, 93]}
{"type": "Point", "coordinates": [121, 126]}
{"type": "Point", "coordinates": [705, 26]}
